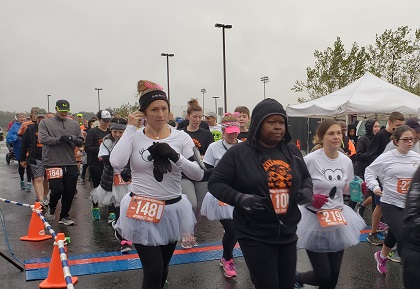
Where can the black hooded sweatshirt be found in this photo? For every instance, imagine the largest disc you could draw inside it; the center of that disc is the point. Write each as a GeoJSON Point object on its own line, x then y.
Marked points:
{"type": "Point", "coordinates": [241, 171]}
{"type": "Point", "coordinates": [363, 143]}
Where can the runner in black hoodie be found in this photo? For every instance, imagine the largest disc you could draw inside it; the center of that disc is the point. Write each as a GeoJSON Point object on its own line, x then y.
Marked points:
{"type": "Point", "coordinates": [265, 178]}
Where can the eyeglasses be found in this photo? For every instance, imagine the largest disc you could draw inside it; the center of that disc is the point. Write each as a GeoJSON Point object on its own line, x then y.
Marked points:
{"type": "Point", "coordinates": [410, 139]}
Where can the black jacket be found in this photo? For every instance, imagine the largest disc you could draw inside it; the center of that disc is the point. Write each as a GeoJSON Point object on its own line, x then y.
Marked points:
{"type": "Point", "coordinates": [240, 171]}
{"type": "Point", "coordinates": [412, 215]}
{"type": "Point", "coordinates": [31, 144]}
{"type": "Point", "coordinates": [363, 143]}
{"type": "Point", "coordinates": [93, 141]}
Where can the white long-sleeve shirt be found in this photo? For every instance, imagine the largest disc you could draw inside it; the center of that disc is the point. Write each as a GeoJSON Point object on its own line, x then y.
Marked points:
{"type": "Point", "coordinates": [395, 170]}
{"type": "Point", "coordinates": [133, 145]}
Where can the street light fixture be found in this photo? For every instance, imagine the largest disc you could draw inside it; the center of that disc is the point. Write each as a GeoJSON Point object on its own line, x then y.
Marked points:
{"type": "Point", "coordinates": [203, 91]}
{"type": "Point", "coordinates": [224, 26]}
{"type": "Point", "coordinates": [99, 100]}
{"type": "Point", "coordinates": [215, 104]}
{"type": "Point", "coordinates": [48, 102]}
{"type": "Point", "coordinates": [167, 55]}
{"type": "Point", "coordinates": [265, 79]}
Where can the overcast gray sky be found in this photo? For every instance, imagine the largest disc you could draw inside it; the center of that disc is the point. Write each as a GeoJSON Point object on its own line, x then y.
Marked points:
{"type": "Point", "coordinates": [68, 48]}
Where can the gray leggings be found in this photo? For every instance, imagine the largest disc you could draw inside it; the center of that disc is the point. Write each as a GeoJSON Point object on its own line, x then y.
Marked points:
{"type": "Point", "coordinates": [195, 192]}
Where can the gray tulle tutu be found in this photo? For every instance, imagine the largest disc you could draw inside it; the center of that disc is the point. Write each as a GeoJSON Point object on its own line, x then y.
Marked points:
{"type": "Point", "coordinates": [313, 237]}
{"type": "Point", "coordinates": [177, 221]}
{"type": "Point", "coordinates": [104, 198]}
{"type": "Point", "coordinates": [213, 211]}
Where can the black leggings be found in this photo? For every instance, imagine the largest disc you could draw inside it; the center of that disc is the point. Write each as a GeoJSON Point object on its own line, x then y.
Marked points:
{"type": "Point", "coordinates": [326, 269]}
{"type": "Point", "coordinates": [229, 238]}
{"type": "Point", "coordinates": [155, 261]}
{"type": "Point", "coordinates": [394, 217]}
{"type": "Point", "coordinates": [22, 173]}
{"type": "Point", "coordinates": [272, 266]}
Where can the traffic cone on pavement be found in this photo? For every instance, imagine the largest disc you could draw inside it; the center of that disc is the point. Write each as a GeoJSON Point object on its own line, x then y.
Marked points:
{"type": "Point", "coordinates": [55, 277]}
{"type": "Point", "coordinates": [36, 231]}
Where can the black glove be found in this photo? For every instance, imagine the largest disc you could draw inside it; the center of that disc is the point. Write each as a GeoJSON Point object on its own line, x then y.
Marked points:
{"type": "Point", "coordinates": [126, 174]}
{"type": "Point", "coordinates": [65, 139]}
{"type": "Point", "coordinates": [161, 166]}
{"type": "Point", "coordinates": [163, 150]}
{"type": "Point", "coordinates": [252, 202]}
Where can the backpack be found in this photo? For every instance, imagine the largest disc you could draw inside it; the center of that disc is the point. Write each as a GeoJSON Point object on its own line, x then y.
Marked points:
{"type": "Point", "coordinates": [356, 194]}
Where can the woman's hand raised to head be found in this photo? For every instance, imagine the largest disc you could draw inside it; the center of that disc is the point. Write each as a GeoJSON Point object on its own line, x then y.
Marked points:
{"type": "Point", "coordinates": [135, 118]}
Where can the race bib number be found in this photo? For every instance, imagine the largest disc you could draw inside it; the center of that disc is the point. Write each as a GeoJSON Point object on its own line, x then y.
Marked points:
{"type": "Point", "coordinates": [331, 217]}
{"type": "Point", "coordinates": [222, 204]}
{"type": "Point", "coordinates": [403, 184]}
{"type": "Point", "coordinates": [280, 200]}
{"type": "Point", "coordinates": [54, 173]}
{"type": "Point", "coordinates": [118, 181]}
{"type": "Point", "coordinates": [145, 209]}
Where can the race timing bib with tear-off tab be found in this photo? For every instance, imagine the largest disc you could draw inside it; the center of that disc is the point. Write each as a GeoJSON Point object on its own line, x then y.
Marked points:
{"type": "Point", "coordinates": [145, 209]}
{"type": "Point", "coordinates": [330, 217]}
{"type": "Point", "coordinates": [280, 200]}
{"type": "Point", "coordinates": [54, 173]}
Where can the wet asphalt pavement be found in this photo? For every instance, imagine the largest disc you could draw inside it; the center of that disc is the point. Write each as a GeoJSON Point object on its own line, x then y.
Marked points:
{"type": "Point", "coordinates": [88, 236]}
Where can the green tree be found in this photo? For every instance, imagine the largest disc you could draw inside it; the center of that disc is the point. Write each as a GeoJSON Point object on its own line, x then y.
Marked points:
{"type": "Point", "coordinates": [125, 109]}
{"type": "Point", "coordinates": [395, 57]}
{"type": "Point", "coordinates": [334, 68]}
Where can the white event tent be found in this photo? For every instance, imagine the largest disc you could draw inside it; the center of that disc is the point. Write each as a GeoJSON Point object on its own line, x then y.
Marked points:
{"type": "Point", "coordinates": [367, 96]}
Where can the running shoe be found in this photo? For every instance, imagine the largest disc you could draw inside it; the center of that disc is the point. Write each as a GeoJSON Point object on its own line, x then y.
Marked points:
{"type": "Point", "coordinates": [374, 239]}
{"type": "Point", "coordinates": [382, 227]}
{"type": "Point", "coordinates": [297, 284]}
{"type": "Point", "coordinates": [66, 221]}
{"type": "Point", "coordinates": [394, 256]}
{"type": "Point", "coordinates": [50, 215]}
{"type": "Point", "coordinates": [380, 262]}
{"type": "Point", "coordinates": [22, 185]}
{"type": "Point", "coordinates": [111, 218]}
{"type": "Point", "coordinates": [228, 268]}
{"type": "Point", "coordinates": [126, 246]}
{"type": "Point", "coordinates": [186, 242]}
{"type": "Point", "coordinates": [95, 213]}
{"type": "Point", "coordinates": [28, 187]}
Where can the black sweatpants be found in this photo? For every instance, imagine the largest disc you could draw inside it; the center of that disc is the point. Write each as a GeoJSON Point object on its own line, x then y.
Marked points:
{"type": "Point", "coordinates": [229, 238]}
{"type": "Point", "coordinates": [326, 269]}
{"type": "Point", "coordinates": [65, 189]}
{"type": "Point", "coordinates": [155, 261]}
{"type": "Point", "coordinates": [272, 266]}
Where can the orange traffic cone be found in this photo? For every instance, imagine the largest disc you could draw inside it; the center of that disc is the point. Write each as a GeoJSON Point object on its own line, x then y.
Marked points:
{"type": "Point", "coordinates": [55, 277]}
{"type": "Point", "coordinates": [36, 230]}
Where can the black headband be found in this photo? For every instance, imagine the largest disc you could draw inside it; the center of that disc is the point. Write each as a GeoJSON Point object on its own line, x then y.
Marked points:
{"type": "Point", "coordinates": [151, 96]}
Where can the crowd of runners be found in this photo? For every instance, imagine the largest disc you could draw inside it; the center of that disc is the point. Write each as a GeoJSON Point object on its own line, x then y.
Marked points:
{"type": "Point", "coordinates": [157, 178]}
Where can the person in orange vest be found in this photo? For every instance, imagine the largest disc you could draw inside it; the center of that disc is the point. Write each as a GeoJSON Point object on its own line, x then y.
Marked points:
{"type": "Point", "coordinates": [347, 145]}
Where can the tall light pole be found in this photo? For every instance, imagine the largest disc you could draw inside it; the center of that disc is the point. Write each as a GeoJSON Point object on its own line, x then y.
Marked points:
{"type": "Point", "coordinates": [48, 102]}
{"type": "Point", "coordinates": [99, 100]}
{"type": "Point", "coordinates": [265, 79]}
{"type": "Point", "coordinates": [224, 26]}
{"type": "Point", "coordinates": [215, 104]}
{"type": "Point", "coordinates": [167, 70]}
{"type": "Point", "coordinates": [203, 91]}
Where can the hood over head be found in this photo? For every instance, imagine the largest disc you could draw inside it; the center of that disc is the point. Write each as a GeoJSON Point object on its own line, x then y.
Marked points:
{"type": "Point", "coordinates": [369, 126]}
{"type": "Point", "coordinates": [262, 110]}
